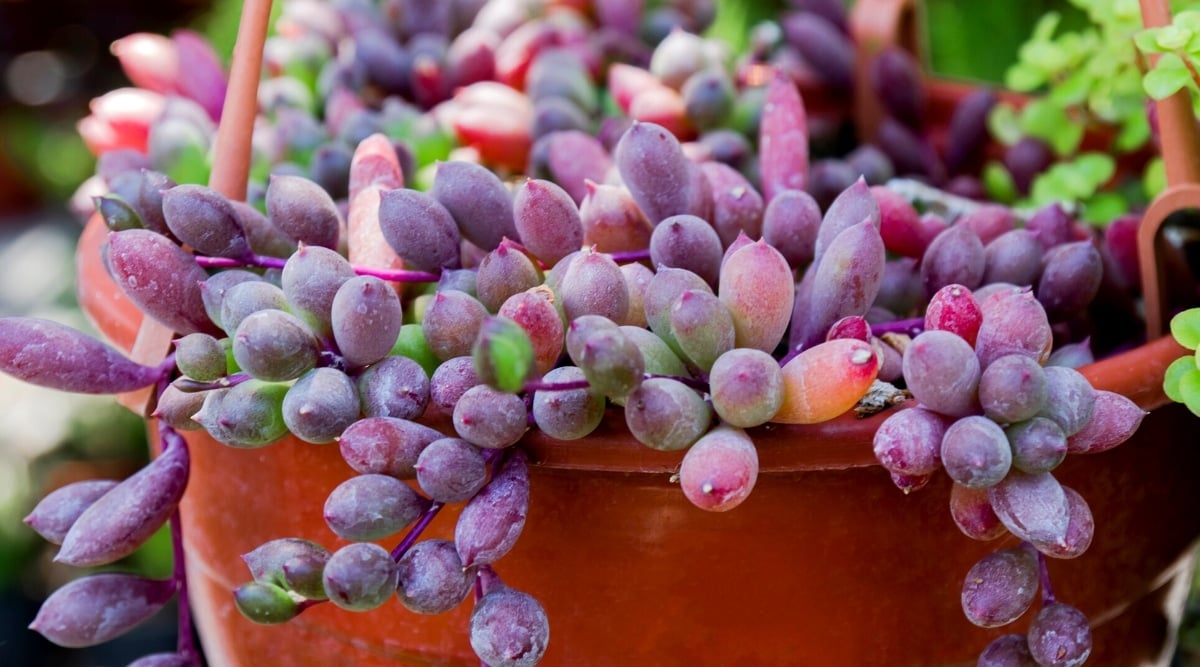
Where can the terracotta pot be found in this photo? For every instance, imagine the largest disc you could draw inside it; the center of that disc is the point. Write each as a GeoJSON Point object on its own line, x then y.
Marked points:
{"type": "Point", "coordinates": [826, 563]}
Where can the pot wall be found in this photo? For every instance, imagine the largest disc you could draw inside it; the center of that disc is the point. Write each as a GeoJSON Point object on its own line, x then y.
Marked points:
{"type": "Point", "coordinates": [825, 564]}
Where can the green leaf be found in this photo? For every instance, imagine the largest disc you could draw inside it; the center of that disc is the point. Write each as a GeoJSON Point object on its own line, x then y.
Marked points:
{"type": "Point", "coordinates": [1042, 119]}
{"type": "Point", "coordinates": [1134, 133]}
{"type": "Point", "coordinates": [1154, 178]}
{"type": "Point", "coordinates": [1068, 138]}
{"type": "Point", "coordinates": [1044, 30]}
{"type": "Point", "coordinates": [1049, 187]}
{"type": "Point", "coordinates": [1073, 90]}
{"type": "Point", "coordinates": [503, 354]}
{"type": "Point", "coordinates": [1185, 327]}
{"type": "Point", "coordinates": [1189, 390]}
{"type": "Point", "coordinates": [1188, 20]}
{"type": "Point", "coordinates": [1175, 373]}
{"type": "Point", "coordinates": [999, 183]}
{"type": "Point", "coordinates": [1173, 37]}
{"type": "Point", "coordinates": [1147, 40]}
{"type": "Point", "coordinates": [1097, 168]}
{"type": "Point", "coordinates": [1167, 77]}
{"type": "Point", "coordinates": [1045, 56]}
{"type": "Point", "coordinates": [1004, 124]}
{"type": "Point", "coordinates": [411, 343]}
{"type": "Point", "coordinates": [189, 165]}
{"type": "Point", "coordinates": [1104, 207]}
{"type": "Point", "coordinates": [1024, 78]}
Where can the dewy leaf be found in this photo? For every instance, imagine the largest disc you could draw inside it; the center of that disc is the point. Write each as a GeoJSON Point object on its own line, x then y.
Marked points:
{"type": "Point", "coordinates": [1185, 327]}
{"type": "Point", "coordinates": [100, 607]}
{"type": "Point", "coordinates": [1168, 77]}
{"type": "Point", "coordinates": [123, 519]}
{"type": "Point", "coordinates": [50, 354]}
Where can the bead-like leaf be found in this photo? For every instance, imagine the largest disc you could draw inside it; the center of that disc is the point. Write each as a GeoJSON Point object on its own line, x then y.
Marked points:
{"type": "Point", "coordinates": [95, 609]}
{"type": "Point", "coordinates": [125, 517]}
{"type": "Point", "coordinates": [50, 354]}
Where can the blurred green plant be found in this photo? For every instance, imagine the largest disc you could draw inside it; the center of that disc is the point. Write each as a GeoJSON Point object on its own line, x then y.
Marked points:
{"type": "Point", "coordinates": [1182, 380]}
{"type": "Point", "coordinates": [1086, 78]}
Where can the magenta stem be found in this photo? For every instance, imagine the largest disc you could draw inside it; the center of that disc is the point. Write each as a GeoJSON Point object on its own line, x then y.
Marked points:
{"type": "Point", "coordinates": [185, 646]}
{"type": "Point", "coordinates": [629, 256]}
{"type": "Point", "coordinates": [268, 262]}
{"type": "Point", "coordinates": [168, 439]}
{"type": "Point", "coordinates": [556, 386]}
{"type": "Point", "coordinates": [911, 326]}
{"type": "Point", "coordinates": [415, 532]}
{"type": "Point", "coordinates": [1044, 579]}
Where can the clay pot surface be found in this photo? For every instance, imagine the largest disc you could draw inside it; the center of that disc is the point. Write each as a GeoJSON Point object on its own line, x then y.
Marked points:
{"type": "Point", "coordinates": [827, 563]}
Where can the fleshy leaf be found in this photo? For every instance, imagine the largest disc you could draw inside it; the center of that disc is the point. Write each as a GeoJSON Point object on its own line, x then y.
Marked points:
{"type": "Point", "coordinates": [50, 354]}
{"type": "Point", "coordinates": [1185, 327]}
{"type": "Point", "coordinates": [95, 609]}
{"type": "Point", "coordinates": [1168, 77]}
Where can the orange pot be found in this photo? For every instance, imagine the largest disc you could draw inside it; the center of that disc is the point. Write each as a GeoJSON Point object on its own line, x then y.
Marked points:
{"type": "Point", "coordinates": [825, 564]}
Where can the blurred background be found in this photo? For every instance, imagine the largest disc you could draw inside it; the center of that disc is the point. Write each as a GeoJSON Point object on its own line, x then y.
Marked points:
{"type": "Point", "coordinates": [54, 58]}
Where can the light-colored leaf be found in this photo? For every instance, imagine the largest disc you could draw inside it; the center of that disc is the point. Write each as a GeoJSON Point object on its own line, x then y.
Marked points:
{"type": "Point", "coordinates": [1173, 37]}
{"type": "Point", "coordinates": [1154, 178]}
{"type": "Point", "coordinates": [1185, 327]}
{"type": "Point", "coordinates": [1024, 78]}
{"type": "Point", "coordinates": [1166, 78]}
{"type": "Point", "coordinates": [1104, 207]}
{"type": "Point", "coordinates": [1147, 40]}
{"type": "Point", "coordinates": [1174, 374]}
{"type": "Point", "coordinates": [1096, 167]}
{"type": "Point", "coordinates": [1135, 132]}
{"type": "Point", "coordinates": [998, 183]}
{"type": "Point", "coordinates": [1004, 124]}
{"type": "Point", "coordinates": [1189, 389]}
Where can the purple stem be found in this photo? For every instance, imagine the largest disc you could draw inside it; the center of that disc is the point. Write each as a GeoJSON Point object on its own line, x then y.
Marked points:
{"type": "Point", "coordinates": [911, 326]}
{"type": "Point", "coordinates": [415, 533]}
{"type": "Point", "coordinates": [268, 262]}
{"type": "Point", "coordinates": [306, 604]}
{"type": "Point", "coordinates": [555, 386]}
{"type": "Point", "coordinates": [477, 597]}
{"type": "Point", "coordinates": [629, 256]}
{"type": "Point", "coordinates": [185, 646]}
{"type": "Point", "coordinates": [1044, 579]}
